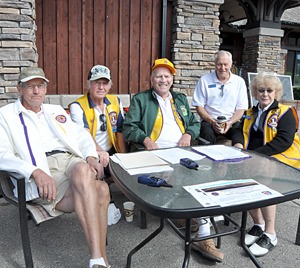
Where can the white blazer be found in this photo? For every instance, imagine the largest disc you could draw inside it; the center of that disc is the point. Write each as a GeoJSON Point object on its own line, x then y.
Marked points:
{"type": "Point", "coordinates": [20, 142]}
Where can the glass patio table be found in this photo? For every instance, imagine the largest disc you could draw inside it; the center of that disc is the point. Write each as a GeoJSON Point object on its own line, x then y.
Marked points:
{"type": "Point", "coordinates": [177, 203]}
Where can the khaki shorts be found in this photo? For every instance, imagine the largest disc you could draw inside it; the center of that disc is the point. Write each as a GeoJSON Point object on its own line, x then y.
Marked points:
{"type": "Point", "coordinates": [59, 164]}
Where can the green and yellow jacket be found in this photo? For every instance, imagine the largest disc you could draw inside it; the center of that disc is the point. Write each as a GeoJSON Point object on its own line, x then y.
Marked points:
{"type": "Point", "coordinates": [144, 118]}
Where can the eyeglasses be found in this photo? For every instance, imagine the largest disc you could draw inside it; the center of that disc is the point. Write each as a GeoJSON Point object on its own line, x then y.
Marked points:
{"type": "Point", "coordinates": [263, 90]}
{"type": "Point", "coordinates": [33, 86]}
{"type": "Point", "coordinates": [222, 91]}
{"type": "Point", "coordinates": [103, 126]}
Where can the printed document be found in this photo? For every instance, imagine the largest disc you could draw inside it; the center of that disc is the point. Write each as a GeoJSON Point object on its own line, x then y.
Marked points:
{"type": "Point", "coordinates": [221, 152]}
{"type": "Point", "coordinates": [230, 192]}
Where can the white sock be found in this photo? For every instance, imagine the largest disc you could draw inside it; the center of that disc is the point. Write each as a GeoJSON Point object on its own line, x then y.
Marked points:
{"type": "Point", "coordinates": [97, 261]}
{"type": "Point", "coordinates": [271, 236]}
{"type": "Point", "coordinates": [204, 227]}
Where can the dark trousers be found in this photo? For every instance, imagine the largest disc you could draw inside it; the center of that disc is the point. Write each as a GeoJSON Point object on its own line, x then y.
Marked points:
{"type": "Point", "coordinates": [207, 132]}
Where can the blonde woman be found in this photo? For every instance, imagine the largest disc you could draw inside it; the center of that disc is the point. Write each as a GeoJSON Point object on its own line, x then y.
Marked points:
{"type": "Point", "coordinates": [269, 128]}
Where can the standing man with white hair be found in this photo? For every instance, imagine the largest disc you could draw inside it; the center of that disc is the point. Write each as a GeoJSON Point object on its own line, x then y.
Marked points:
{"type": "Point", "coordinates": [220, 93]}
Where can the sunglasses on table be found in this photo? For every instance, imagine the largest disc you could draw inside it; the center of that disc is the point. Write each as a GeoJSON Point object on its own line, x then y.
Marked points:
{"type": "Point", "coordinates": [103, 126]}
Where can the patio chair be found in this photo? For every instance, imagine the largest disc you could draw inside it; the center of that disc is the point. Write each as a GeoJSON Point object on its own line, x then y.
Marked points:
{"type": "Point", "coordinates": [27, 210]}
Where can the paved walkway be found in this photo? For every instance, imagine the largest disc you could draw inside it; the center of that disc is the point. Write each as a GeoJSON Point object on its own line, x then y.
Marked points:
{"type": "Point", "coordinates": [60, 243]}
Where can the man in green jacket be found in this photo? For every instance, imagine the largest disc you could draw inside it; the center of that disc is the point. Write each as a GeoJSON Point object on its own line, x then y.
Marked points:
{"type": "Point", "coordinates": [161, 118]}
{"type": "Point", "coordinates": [157, 112]}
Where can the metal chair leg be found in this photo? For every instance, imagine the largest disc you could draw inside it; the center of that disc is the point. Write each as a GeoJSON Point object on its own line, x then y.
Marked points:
{"type": "Point", "coordinates": [213, 222]}
{"type": "Point", "coordinates": [23, 224]}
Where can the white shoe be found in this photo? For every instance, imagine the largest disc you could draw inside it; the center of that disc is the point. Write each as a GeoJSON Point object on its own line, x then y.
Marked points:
{"type": "Point", "coordinates": [253, 234]}
{"type": "Point", "coordinates": [263, 245]}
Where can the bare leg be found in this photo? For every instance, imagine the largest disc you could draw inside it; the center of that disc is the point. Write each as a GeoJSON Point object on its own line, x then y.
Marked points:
{"type": "Point", "coordinates": [90, 199]}
{"type": "Point", "coordinates": [269, 215]}
{"type": "Point", "coordinates": [104, 199]}
{"type": "Point", "coordinates": [257, 216]}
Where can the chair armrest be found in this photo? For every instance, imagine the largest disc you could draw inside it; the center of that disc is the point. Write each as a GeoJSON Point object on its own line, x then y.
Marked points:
{"type": "Point", "coordinates": [7, 186]}
{"type": "Point", "coordinates": [15, 175]}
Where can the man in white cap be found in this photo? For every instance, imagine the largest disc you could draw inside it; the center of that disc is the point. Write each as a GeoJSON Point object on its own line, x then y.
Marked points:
{"type": "Point", "coordinates": [101, 114]}
{"type": "Point", "coordinates": [57, 158]}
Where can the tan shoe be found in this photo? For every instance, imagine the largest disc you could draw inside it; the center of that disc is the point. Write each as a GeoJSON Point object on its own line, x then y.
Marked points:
{"type": "Point", "coordinates": [194, 224]}
{"type": "Point", "coordinates": [208, 249]}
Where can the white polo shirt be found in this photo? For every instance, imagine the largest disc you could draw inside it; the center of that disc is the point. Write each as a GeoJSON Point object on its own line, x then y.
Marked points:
{"type": "Point", "coordinates": [218, 98]}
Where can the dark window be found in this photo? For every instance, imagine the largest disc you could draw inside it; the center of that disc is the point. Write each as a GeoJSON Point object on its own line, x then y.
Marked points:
{"type": "Point", "coordinates": [293, 67]}
{"type": "Point", "coordinates": [293, 59]}
{"type": "Point", "coordinates": [292, 41]}
{"type": "Point", "coordinates": [297, 70]}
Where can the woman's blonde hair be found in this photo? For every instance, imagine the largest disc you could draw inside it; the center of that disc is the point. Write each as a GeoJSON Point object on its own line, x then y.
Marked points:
{"type": "Point", "coordinates": [268, 80]}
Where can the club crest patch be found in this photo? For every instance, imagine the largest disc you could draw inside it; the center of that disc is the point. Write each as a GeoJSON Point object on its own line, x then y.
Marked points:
{"type": "Point", "coordinates": [183, 110]}
{"type": "Point", "coordinates": [272, 122]}
{"type": "Point", "coordinates": [61, 118]}
{"type": "Point", "coordinates": [113, 120]}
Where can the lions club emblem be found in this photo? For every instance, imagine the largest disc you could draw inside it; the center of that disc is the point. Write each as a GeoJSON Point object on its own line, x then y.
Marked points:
{"type": "Point", "coordinates": [61, 118]}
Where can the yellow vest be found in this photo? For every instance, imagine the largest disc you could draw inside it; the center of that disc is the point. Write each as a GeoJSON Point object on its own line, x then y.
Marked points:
{"type": "Point", "coordinates": [159, 122]}
{"type": "Point", "coordinates": [292, 155]}
{"type": "Point", "coordinates": [112, 112]}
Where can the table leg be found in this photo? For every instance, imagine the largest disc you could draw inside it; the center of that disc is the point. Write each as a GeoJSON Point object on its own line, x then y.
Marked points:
{"type": "Point", "coordinates": [297, 242]}
{"type": "Point", "coordinates": [143, 219]}
{"type": "Point", "coordinates": [145, 241]}
{"type": "Point", "coordinates": [187, 245]}
{"type": "Point", "coordinates": [244, 246]}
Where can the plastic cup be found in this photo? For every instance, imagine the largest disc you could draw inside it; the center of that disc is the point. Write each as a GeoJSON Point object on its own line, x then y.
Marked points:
{"type": "Point", "coordinates": [129, 211]}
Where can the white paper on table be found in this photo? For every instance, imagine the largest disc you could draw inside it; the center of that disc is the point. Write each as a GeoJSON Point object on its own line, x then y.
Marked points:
{"type": "Point", "coordinates": [230, 192]}
{"type": "Point", "coordinates": [139, 160]}
{"type": "Point", "coordinates": [150, 170]}
{"type": "Point", "coordinates": [221, 152]}
{"type": "Point", "coordinates": [173, 155]}
{"type": "Point", "coordinates": [143, 170]}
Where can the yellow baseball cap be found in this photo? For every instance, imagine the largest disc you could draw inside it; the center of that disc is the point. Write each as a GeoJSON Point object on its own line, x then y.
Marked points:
{"type": "Point", "coordinates": [164, 63]}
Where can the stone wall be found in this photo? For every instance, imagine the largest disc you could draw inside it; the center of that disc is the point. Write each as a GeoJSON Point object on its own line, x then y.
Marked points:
{"type": "Point", "coordinates": [262, 51]}
{"type": "Point", "coordinates": [195, 40]}
{"type": "Point", "coordinates": [17, 42]}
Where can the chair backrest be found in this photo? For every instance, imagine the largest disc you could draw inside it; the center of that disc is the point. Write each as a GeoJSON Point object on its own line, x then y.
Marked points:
{"type": "Point", "coordinates": [6, 188]}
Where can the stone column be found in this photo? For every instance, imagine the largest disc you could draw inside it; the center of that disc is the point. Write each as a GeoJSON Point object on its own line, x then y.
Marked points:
{"type": "Point", "coordinates": [195, 38]}
{"type": "Point", "coordinates": [262, 51]}
{"type": "Point", "coordinates": [17, 42]}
